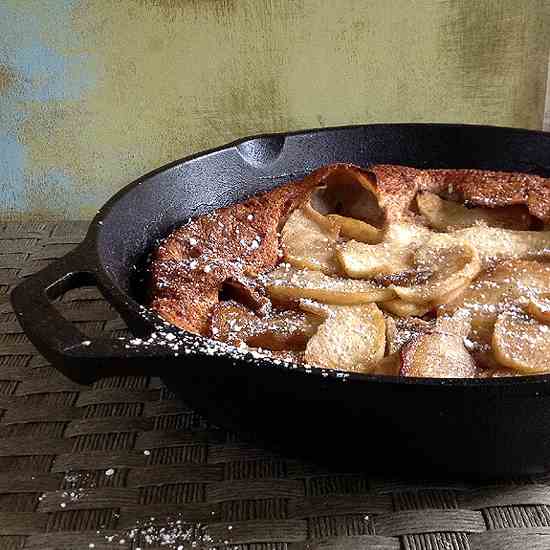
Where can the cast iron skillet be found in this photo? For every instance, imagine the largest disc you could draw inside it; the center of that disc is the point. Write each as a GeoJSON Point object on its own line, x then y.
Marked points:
{"type": "Point", "coordinates": [479, 427]}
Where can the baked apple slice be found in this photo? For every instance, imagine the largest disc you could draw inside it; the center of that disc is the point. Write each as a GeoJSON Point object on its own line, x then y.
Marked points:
{"type": "Point", "coordinates": [539, 307]}
{"type": "Point", "coordinates": [351, 338]}
{"type": "Point", "coordinates": [451, 296]}
{"type": "Point", "coordinates": [401, 308]}
{"type": "Point", "coordinates": [308, 240]}
{"type": "Point", "coordinates": [279, 330]}
{"type": "Point", "coordinates": [445, 215]}
{"type": "Point", "coordinates": [358, 230]}
{"type": "Point", "coordinates": [284, 331]}
{"type": "Point", "coordinates": [314, 307]}
{"type": "Point", "coordinates": [348, 192]}
{"type": "Point", "coordinates": [287, 283]}
{"type": "Point", "coordinates": [498, 372]}
{"type": "Point", "coordinates": [496, 290]}
{"type": "Point", "coordinates": [441, 353]}
{"type": "Point", "coordinates": [246, 291]}
{"type": "Point", "coordinates": [393, 255]}
{"type": "Point", "coordinates": [451, 268]}
{"type": "Point", "coordinates": [388, 366]}
{"type": "Point", "coordinates": [495, 244]}
{"type": "Point", "coordinates": [522, 343]}
{"type": "Point", "coordinates": [401, 331]}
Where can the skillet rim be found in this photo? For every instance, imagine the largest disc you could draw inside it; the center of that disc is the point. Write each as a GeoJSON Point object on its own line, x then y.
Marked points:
{"type": "Point", "coordinates": [121, 299]}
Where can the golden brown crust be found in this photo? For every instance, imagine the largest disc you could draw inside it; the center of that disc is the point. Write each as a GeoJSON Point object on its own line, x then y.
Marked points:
{"type": "Point", "coordinates": [190, 266]}
{"type": "Point", "coordinates": [396, 186]}
{"type": "Point", "coordinates": [494, 189]}
{"type": "Point", "coordinates": [193, 262]}
{"type": "Point", "coordinates": [538, 200]}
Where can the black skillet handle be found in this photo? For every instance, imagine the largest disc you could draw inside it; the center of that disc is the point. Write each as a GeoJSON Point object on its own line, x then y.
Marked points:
{"type": "Point", "coordinates": [79, 357]}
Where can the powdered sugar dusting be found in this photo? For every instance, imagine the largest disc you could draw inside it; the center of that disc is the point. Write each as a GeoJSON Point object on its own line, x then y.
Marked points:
{"type": "Point", "coordinates": [223, 245]}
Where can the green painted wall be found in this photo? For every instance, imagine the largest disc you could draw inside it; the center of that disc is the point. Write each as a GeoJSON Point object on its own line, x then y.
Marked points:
{"type": "Point", "coordinates": [95, 93]}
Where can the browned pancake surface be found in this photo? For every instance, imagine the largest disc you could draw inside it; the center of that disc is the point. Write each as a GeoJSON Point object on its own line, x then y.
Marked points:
{"type": "Point", "coordinates": [190, 266]}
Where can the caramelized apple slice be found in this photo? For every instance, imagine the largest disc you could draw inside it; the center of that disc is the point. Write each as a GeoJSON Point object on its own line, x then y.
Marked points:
{"type": "Point", "coordinates": [391, 331]}
{"type": "Point", "coordinates": [522, 343]}
{"type": "Point", "coordinates": [451, 296]}
{"type": "Point", "coordinates": [286, 283]}
{"type": "Point", "coordinates": [499, 372]}
{"type": "Point", "coordinates": [388, 366]}
{"type": "Point", "coordinates": [285, 330]}
{"type": "Point", "coordinates": [401, 331]}
{"type": "Point", "coordinates": [445, 215]}
{"type": "Point", "coordinates": [450, 267]}
{"type": "Point", "coordinates": [401, 308]}
{"type": "Point", "coordinates": [539, 307]}
{"type": "Point", "coordinates": [362, 261]}
{"type": "Point", "coordinates": [246, 291]}
{"type": "Point", "coordinates": [316, 308]}
{"type": "Point", "coordinates": [308, 240]}
{"type": "Point", "coordinates": [392, 255]}
{"type": "Point", "coordinates": [482, 354]}
{"type": "Point", "coordinates": [494, 244]}
{"type": "Point", "coordinates": [497, 290]}
{"type": "Point", "coordinates": [352, 338]}
{"type": "Point", "coordinates": [356, 229]}
{"type": "Point", "coordinates": [228, 319]}
{"type": "Point", "coordinates": [349, 192]}
{"type": "Point", "coordinates": [441, 353]}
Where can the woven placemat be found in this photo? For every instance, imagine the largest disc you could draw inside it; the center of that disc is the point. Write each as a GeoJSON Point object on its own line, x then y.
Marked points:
{"type": "Point", "coordinates": [124, 464]}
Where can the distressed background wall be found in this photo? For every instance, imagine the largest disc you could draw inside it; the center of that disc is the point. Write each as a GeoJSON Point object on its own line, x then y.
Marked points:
{"type": "Point", "coordinates": [95, 93]}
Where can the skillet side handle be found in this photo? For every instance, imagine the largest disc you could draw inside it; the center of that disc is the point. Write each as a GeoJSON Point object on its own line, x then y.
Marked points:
{"type": "Point", "coordinates": [43, 324]}
{"type": "Point", "coordinates": [82, 359]}
{"type": "Point", "coordinates": [32, 299]}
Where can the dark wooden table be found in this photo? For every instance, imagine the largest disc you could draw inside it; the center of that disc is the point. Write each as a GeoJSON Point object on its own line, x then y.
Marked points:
{"type": "Point", "coordinates": [124, 464]}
